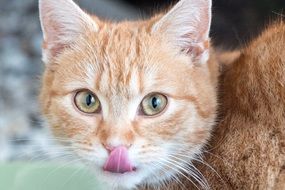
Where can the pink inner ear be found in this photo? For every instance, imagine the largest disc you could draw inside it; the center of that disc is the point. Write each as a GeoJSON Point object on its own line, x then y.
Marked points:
{"type": "Point", "coordinates": [197, 49]}
{"type": "Point", "coordinates": [53, 33]}
{"type": "Point", "coordinates": [54, 49]}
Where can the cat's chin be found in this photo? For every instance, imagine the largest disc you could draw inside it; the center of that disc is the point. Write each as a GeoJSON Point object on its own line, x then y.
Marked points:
{"type": "Point", "coordinates": [128, 180]}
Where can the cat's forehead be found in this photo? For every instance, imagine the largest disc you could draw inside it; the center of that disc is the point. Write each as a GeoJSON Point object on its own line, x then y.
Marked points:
{"type": "Point", "coordinates": [124, 42]}
{"type": "Point", "coordinates": [121, 54]}
{"type": "Point", "coordinates": [126, 55]}
{"type": "Point", "coordinates": [123, 60]}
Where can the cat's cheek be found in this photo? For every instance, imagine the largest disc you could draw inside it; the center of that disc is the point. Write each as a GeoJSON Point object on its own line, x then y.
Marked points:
{"type": "Point", "coordinates": [95, 158]}
{"type": "Point", "coordinates": [140, 147]}
{"type": "Point", "coordinates": [65, 121]}
{"type": "Point", "coordinates": [168, 124]}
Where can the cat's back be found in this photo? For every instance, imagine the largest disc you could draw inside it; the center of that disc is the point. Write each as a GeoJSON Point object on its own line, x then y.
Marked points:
{"type": "Point", "coordinates": [249, 142]}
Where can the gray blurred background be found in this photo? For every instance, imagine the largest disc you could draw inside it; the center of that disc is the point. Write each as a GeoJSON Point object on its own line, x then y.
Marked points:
{"type": "Point", "coordinates": [22, 135]}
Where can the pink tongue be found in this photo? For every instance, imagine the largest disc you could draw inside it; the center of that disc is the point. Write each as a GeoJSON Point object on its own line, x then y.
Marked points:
{"type": "Point", "coordinates": [118, 161]}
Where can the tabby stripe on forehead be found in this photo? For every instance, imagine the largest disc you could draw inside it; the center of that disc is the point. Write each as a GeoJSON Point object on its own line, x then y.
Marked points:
{"type": "Point", "coordinates": [132, 63]}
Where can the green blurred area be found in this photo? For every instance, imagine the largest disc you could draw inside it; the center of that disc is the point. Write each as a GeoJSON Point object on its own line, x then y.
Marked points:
{"type": "Point", "coordinates": [48, 176]}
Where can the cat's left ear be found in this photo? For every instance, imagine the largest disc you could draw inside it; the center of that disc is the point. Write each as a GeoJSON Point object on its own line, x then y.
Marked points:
{"type": "Point", "coordinates": [187, 27]}
{"type": "Point", "coordinates": [62, 23]}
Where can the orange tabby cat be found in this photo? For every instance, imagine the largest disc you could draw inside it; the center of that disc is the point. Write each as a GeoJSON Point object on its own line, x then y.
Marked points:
{"type": "Point", "coordinates": [135, 101]}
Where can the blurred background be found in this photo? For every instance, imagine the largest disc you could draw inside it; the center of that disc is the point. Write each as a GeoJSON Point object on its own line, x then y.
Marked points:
{"type": "Point", "coordinates": [22, 133]}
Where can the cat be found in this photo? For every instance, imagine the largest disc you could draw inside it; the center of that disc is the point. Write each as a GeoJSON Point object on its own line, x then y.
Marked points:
{"type": "Point", "coordinates": [247, 148]}
{"type": "Point", "coordinates": [134, 101]}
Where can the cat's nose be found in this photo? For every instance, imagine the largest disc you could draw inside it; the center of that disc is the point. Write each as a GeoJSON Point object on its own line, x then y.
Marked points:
{"type": "Point", "coordinates": [113, 135]}
{"type": "Point", "coordinates": [110, 147]}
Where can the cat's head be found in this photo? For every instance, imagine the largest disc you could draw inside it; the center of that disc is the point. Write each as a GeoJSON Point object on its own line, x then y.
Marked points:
{"type": "Point", "coordinates": [135, 100]}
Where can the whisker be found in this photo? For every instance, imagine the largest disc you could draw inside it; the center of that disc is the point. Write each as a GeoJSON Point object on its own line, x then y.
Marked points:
{"type": "Point", "coordinates": [200, 160]}
{"type": "Point", "coordinates": [60, 167]}
{"type": "Point", "coordinates": [72, 176]}
{"type": "Point", "coordinates": [173, 177]}
{"type": "Point", "coordinates": [199, 177]}
{"type": "Point", "coordinates": [178, 171]}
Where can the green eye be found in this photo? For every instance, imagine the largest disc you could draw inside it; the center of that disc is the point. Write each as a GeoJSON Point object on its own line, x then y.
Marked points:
{"type": "Point", "coordinates": [153, 104]}
{"type": "Point", "coordinates": [87, 102]}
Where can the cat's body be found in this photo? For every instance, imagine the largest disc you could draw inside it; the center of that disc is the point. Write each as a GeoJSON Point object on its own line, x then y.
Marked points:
{"type": "Point", "coordinates": [248, 145]}
{"type": "Point", "coordinates": [247, 150]}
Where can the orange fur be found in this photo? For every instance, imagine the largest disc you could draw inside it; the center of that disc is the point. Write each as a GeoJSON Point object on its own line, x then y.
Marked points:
{"type": "Point", "coordinates": [247, 149]}
{"type": "Point", "coordinates": [122, 63]}
{"type": "Point", "coordinates": [250, 137]}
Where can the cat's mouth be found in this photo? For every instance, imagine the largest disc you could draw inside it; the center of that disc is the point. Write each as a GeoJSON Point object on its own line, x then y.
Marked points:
{"type": "Point", "coordinates": [118, 162]}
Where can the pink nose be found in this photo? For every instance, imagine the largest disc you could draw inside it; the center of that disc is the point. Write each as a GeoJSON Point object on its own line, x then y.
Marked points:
{"type": "Point", "coordinates": [118, 161]}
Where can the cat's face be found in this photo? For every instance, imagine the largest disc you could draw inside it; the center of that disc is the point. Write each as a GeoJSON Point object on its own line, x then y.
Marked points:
{"type": "Point", "coordinates": [134, 105]}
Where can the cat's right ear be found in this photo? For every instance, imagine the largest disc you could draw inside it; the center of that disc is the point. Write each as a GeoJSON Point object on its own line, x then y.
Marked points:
{"type": "Point", "coordinates": [62, 21]}
{"type": "Point", "coordinates": [187, 26]}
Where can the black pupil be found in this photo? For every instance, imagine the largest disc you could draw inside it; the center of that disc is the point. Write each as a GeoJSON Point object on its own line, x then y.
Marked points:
{"type": "Point", "coordinates": [89, 100]}
{"type": "Point", "coordinates": [155, 102]}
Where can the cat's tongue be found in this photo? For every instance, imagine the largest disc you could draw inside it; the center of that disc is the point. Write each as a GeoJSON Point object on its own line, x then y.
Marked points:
{"type": "Point", "coordinates": [118, 161]}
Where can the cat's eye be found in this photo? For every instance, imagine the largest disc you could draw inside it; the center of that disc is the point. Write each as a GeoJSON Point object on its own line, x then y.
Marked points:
{"type": "Point", "coordinates": [87, 102]}
{"type": "Point", "coordinates": [153, 104]}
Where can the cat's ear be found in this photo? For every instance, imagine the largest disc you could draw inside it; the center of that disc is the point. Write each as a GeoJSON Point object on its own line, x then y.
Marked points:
{"type": "Point", "coordinates": [62, 22]}
{"type": "Point", "coordinates": [187, 27]}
